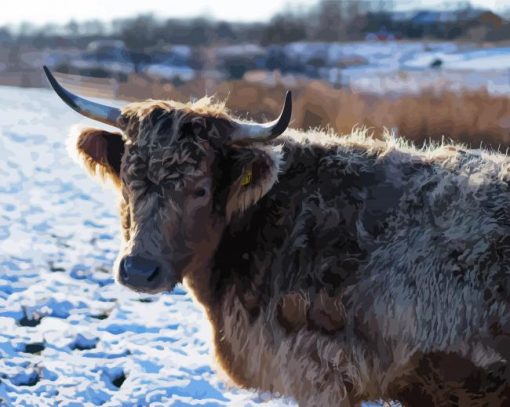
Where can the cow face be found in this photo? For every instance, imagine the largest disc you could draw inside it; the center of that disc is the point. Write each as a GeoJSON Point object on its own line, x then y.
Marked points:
{"type": "Point", "coordinates": [182, 172]}
{"type": "Point", "coordinates": [180, 182]}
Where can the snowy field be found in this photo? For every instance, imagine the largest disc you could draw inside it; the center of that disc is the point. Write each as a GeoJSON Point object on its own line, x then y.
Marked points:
{"type": "Point", "coordinates": [69, 336]}
{"type": "Point", "coordinates": [405, 67]}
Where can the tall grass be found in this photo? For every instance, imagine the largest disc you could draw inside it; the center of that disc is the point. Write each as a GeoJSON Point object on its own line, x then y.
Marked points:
{"type": "Point", "coordinates": [472, 117]}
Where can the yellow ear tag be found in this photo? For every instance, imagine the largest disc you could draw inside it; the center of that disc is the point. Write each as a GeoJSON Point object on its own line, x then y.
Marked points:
{"type": "Point", "coordinates": [246, 180]}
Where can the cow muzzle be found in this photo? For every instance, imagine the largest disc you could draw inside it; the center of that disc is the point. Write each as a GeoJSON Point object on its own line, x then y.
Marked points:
{"type": "Point", "coordinates": [142, 274]}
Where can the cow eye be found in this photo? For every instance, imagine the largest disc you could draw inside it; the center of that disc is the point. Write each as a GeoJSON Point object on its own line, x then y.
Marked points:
{"type": "Point", "coordinates": [200, 192]}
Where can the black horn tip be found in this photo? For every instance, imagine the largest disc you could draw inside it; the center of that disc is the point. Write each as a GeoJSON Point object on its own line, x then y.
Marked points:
{"type": "Point", "coordinates": [46, 71]}
{"type": "Point", "coordinates": [51, 79]}
{"type": "Point", "coordinates": [92, 110]}
{"type": "Point", "coordinates": [284, 120]}
{"type": "Point", "coordinates": [59, 90]}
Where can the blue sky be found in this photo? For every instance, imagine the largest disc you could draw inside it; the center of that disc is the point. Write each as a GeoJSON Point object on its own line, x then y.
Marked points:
{"type": "Point", "coordinates": [40, 12]}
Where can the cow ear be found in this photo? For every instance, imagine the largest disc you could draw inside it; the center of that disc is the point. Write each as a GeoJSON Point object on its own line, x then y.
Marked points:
{"type": "Point", "coordinates": [254, 172]}
{"type": "Point", "coordinates": [99, 151]}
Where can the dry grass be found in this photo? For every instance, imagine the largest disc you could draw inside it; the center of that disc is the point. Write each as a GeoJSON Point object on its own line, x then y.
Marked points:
{"type": "Point", "coordinates": [472, 117]}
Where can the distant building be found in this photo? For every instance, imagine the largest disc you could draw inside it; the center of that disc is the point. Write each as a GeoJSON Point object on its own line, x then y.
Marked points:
{"type": "Point", "coordinates": [445, 23]}
{"type": "Point", "coordinates": [484, 17]}
{"type": "Point", "coordinates": [469, 15]}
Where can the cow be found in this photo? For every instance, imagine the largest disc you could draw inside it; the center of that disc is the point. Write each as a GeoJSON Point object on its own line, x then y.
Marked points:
{"type": "Point", "coordinates": [333, 270]}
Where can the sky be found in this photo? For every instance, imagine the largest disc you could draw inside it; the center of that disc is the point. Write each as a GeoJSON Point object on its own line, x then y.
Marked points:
{"type": "Point", "coordinates": [60, 11]}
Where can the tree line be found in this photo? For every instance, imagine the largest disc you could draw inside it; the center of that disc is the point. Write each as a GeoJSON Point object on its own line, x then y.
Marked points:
{"type": "Point", "coordinates": [328, 20]}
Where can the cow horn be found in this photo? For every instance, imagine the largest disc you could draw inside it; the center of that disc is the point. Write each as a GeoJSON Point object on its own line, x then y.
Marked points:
{"type": "Point", "coordinates": [92, 110]}
{"type": "Point", "coordinates": [252, 132]}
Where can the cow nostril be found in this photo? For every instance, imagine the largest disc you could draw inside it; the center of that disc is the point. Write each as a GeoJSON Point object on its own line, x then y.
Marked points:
{"type": "Point", "coordinates": [138, 270]}
{"type": "Point", "coordinates": [123, 271]}
{"type": "Point", "coordinates": [153, 275]}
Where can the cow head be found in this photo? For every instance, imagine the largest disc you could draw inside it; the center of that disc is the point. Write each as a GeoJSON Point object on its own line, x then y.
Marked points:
{"type": "Point", "coordinates": [183, 171]}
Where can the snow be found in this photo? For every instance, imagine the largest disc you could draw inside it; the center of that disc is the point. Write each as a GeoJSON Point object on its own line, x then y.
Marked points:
{"type": "Point", "coordinates": [395, 67]}
{"type": "Point", "coordinates": [165, 71]}
{"type": "Point", "coordinates": [70, 336]}
{"type": "Point", "coordinates": [491, 59]}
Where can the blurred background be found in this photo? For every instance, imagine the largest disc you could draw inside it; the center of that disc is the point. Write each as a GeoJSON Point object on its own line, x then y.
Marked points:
{"type": "Point", "coordinates": [424, 68]}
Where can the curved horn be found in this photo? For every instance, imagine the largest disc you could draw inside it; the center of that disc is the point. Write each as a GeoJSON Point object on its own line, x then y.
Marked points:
{"type": "Point", "coordinates": [92, 110]}
{"type": "Point", "coordinates": [252, 132]}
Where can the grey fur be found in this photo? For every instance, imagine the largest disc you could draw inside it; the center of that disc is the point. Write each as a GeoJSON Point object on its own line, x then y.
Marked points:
{"type": "Point", "coordinates": [352, 269]}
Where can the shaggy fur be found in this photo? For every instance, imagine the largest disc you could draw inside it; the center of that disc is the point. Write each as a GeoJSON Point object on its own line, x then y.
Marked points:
{"type": "Point", "coordinates": [351, 269]}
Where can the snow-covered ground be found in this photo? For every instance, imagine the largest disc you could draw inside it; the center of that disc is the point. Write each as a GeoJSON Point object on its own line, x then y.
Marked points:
{"type": "Point", "coordinates": [403, 67]}
{"type": "Point", "coordinates": [396, 67]}
{"type": "Point", "coordinates": [69, 336]}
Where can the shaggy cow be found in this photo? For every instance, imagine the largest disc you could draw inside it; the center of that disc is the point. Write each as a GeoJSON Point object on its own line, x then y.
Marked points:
{"type": "Point", "coordinates": [332, 269]}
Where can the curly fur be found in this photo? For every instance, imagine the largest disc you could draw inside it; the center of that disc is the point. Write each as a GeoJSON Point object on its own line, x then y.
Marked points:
{"type": "Point", "coordinates": [353, 269]}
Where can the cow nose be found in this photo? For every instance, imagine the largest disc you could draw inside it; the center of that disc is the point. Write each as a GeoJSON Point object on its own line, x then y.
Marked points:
{"type": "Point", "coordinates": [138, 271]}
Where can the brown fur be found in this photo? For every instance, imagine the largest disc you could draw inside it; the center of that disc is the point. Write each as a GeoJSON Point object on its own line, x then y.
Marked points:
{"type": "Point", "coordinates": [350, 269]}
{"type": "Point", "coordinates": [91, 149]}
